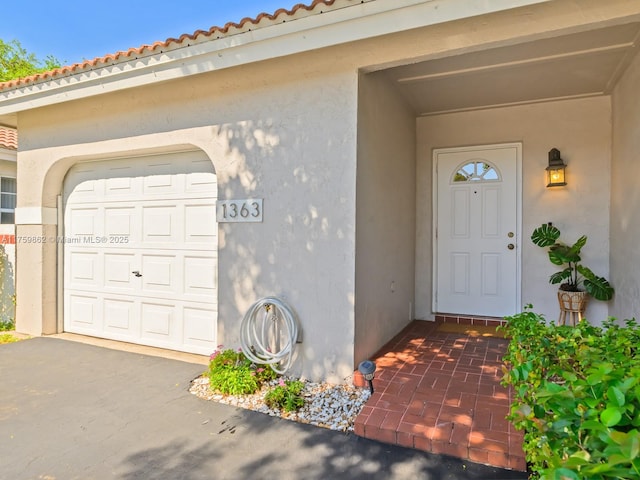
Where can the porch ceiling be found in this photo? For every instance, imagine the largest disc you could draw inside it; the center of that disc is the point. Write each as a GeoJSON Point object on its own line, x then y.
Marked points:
{"type": "Point", "coordinates": [578, 65]}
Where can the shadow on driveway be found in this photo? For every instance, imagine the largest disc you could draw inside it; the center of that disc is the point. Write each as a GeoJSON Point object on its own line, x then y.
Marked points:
{"type": "Point", "coordinates": [75, 411]}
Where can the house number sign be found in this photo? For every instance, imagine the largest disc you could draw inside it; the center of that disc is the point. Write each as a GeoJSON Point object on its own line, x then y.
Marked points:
{"type": "Point", "coordinates": [239, 210]}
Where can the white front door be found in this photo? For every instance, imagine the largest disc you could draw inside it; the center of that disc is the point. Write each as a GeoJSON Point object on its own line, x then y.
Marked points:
{"type": "Point", "coordinates": [140, 252]}
{"type": "Point", "coordinates": [476, 230]}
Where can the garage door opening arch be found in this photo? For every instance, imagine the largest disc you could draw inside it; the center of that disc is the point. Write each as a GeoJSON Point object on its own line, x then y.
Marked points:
{"type": "Point", "coordinates": [140, 250]}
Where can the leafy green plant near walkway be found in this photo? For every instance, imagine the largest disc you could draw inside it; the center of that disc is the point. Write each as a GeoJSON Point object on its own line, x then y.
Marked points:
{"type": "Point", "coordinates": [577, 396]}
{"type": "Point", "coordinates": [287, 395]}
{"type": "Point", "coordinates": [232, 373]}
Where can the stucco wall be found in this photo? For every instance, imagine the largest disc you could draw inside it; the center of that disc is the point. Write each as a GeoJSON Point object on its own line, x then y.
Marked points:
{"type": "Point", "coordinates": [581, 130]}
{"type": "Point", "coordinates": [625, 195]}
{"type": "Point", "coordinates": [271, 133]}
{"type": "Point", "coordinates": [385, 228]}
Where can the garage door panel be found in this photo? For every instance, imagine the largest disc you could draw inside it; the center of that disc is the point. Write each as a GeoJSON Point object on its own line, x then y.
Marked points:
{"type": "Point", "coordinates": [84, 312]}
{"type": "Point", "coordinates": [85, 185]}
{"type": "Point", "coordinates": [200, 224]}
{"type": "Point", "coordinates": [159, 224]}
{"type": "Point", "coordinates": [82, 221]}
{"type": "Point", "coordinates": [119, 183]}
{"type": "Point", "coordinates": [161, 179]}
{"type": "Point", "coordinates": [200, 280]}
{"type": "Point", "coordinates": [159, 322]}
{"type": "Point", "coordinates": [159, 184]}
{"type": "Point", "coordinates": [87, 189]}
{"type": "Point", "coordinates": [200, 181]}
{"type": "Point", "coordinates": [154, 215]}
{"type": "Point", "coordinates": [83, 269]}
{"type": "Point", "coordinates": [119, 316]}
{"type": "Point", "coordinates": [160, 274]}
{"type": "Point", "coordinates": [199, 325]}
{"type": "Point", "coordinates": [118, 271]}
{"type": "Point", "coordinates": [119, 220]}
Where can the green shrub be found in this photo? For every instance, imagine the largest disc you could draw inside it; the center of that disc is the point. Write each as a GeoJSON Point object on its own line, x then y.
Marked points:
{"type": "Point", "coordinates": [6, 326]}
{"type": "Point", "coordinates": [286, 396]}
{"type": "Point", "coordinates": [232, 373]}
{"type": "Point", "coordinates": [577, 396]}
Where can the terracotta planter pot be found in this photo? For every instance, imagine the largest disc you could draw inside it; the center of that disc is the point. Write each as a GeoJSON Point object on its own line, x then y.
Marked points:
{"type": "Point", "coordinates": [573, 305]}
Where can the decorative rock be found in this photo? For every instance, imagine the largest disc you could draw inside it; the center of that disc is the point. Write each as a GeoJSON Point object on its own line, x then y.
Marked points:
{"type": "Point", "coordinates": [329, 406]}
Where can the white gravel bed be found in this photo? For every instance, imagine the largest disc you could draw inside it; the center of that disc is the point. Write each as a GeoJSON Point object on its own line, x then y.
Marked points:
{"type": "Point", "coordinates": [329, 406]}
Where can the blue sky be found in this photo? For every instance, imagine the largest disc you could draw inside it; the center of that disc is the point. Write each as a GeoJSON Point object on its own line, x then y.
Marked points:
{"type": "Point", "coordinates": [75, 30]}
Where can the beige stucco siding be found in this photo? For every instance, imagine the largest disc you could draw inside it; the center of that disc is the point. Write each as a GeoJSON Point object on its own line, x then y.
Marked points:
{"type": "Point", "coordinates": [385, 233]}
{"type": "Point", "coordinates": [7, 163]}
{"type": "Point", "coordinates": [625, 196]}
{"type": "Point", "coordinates": [581, 130]}
{"type": "Point", "coordinates": [290, 141]}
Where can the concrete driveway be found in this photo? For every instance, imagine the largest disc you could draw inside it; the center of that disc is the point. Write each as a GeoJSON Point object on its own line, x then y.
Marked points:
{"type": "Point", "coordinates": [69, 410]}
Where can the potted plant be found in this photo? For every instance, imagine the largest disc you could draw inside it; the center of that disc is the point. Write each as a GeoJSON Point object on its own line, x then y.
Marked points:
{"type": "Point", "coordinates": [576, 281]}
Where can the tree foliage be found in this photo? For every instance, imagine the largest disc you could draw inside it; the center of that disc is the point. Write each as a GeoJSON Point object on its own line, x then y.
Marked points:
{"type": "Point", "coordinates": [16, 62]}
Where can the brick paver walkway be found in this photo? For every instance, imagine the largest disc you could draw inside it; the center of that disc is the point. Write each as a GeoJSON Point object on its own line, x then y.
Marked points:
{"type": "Point", "coordinates": [441, 393]}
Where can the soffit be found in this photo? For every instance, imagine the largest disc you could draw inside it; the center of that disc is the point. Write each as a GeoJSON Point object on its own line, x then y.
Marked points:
{"type": "Point", "coordinates": [577, 65]}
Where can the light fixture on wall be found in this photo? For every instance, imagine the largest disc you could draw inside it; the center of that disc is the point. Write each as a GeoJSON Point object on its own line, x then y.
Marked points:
{"type": "Point", "coordinates": [555, 170]}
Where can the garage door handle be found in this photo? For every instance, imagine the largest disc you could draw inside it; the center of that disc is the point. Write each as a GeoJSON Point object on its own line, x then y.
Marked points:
{"type": "Point", "coordinates": [137, 273]}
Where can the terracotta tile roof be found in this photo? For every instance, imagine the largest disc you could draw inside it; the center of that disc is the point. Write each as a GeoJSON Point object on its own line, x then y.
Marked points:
{"type": "Point", "coordinates": [8, 138]}
{"type": "Point", "coordinates": [231, 28]}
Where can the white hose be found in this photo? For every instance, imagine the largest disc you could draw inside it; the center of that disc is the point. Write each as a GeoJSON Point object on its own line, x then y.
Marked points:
{"type": "Point", "coordinates": [268, 323]}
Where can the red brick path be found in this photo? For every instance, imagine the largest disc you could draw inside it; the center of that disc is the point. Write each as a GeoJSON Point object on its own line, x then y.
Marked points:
{"type": "Point", "coordinates": [441, 393]}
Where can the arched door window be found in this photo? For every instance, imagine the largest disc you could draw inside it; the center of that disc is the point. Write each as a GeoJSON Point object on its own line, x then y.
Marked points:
{"type": "Point", "coordinates": [476, 171]}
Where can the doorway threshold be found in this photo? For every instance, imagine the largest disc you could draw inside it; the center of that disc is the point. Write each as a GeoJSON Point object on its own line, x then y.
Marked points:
{"type": "Point", "coordinates": [469, 320]}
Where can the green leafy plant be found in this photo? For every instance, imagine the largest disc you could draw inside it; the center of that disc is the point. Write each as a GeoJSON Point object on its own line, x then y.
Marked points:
{"type": "Point", "coordinates": [286, 395]}
{"type": "Point", "coordinates": [6, 326]}
{"type": "Point", "coordinates": [576, 396]}
{"type": "Point", "coordinates": [574, 275]}
{"type": "Point", "coordinates": [232, 373]}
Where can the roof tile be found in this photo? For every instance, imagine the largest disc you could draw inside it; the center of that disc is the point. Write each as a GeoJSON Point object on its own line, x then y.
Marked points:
{"type": "Point", "coordinates": [8, 138]}
{"type": "Point", "coordinates": [230, 28]}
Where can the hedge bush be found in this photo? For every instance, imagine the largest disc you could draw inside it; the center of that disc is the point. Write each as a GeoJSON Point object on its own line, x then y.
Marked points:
{"type": "Point", "coordinates": [577, 396]}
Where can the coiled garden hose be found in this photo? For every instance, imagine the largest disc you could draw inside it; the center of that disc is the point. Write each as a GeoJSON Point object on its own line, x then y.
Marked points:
{"type": "Point", "coordinates": [268, 334]}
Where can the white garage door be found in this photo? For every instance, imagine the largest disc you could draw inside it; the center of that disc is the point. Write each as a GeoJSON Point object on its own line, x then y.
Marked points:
{"type": "Point", "coordinates": [140, 251]}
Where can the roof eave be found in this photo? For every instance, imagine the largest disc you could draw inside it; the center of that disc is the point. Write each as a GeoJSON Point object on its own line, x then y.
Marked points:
{"type": "Point", "coordinates": [355, 21]}
{"type": "Point", "coordinates": [8, 154]}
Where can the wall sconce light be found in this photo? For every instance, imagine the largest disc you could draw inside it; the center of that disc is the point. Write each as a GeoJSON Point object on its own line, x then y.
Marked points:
{"type": "Point", "coordinates": [555, 170]}
{"type": "Point", "coordinates": [368, 371]}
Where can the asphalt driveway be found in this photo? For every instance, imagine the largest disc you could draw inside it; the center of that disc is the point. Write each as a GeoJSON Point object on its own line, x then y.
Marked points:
{"type": "Point", "coordinates": [74, 411]}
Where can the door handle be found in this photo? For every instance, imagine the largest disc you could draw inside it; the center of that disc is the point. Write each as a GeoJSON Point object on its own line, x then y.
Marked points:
{"type": "Point", "coordinates": [511, 246]}
{"type": "Point", "coordinates": [137, 273]}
